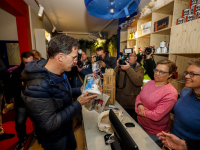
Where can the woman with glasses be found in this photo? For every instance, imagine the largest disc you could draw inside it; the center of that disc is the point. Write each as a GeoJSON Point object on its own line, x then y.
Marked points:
{"type": "Point", "coordinates": [156, 100]}
{"type": "Point", "coordinates": [186, 123]}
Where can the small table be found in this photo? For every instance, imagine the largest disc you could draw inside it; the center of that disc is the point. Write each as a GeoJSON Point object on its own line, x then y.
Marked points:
{"type": "Point", "coordinates": [95, 138]}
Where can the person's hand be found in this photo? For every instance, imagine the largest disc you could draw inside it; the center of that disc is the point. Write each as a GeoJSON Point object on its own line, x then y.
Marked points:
{"type": "Point", "coordinates": [141, 110]}
{"type": "Point", "coordinates": [103, 64]}
{"type": "Point", "coordinates": [150, 55]}
{"type": "Point", "coordinates": [79, 69]}
{"type": "Point", "coordinates": [83, 99]}
{"type": "Point", "coordinates": [125, 67]}
{"type": "Point", "coordinates": [172, 141]}
{"type": "Point", "coordinates": [81, 88]}
{"type": "Point", "coordinates": [118, 62]}
{"type": "Point", "coordinates": [93, 59]}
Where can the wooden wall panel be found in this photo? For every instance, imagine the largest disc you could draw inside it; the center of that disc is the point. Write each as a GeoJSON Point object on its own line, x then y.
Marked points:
{"type": "Point", "coordinates": [122, 46]}
{"type": "Point", "coordinates": [182, 64]}
{"type": "Point", "coordinates": [143, 42]}
{"type": "Point", "coordinates": [185, 37]}
{"type": "Point", "coordinates": [157, 38]}
{"type": "Point", "coordinates": [123, 36]}
{"type": "Point", "coordinates": [179, 5]}
{"type": "Point", "coordinates": [158, 57]}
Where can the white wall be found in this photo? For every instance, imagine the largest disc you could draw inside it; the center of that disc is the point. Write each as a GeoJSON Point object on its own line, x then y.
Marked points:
{"type": "Point", "coordinates": [37, 23]}
{"type": "Point", "coordinates": [8, 27]}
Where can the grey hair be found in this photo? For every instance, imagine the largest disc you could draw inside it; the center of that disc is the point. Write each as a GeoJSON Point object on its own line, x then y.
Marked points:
{"type": "Point", "coordinates": [194, 61]}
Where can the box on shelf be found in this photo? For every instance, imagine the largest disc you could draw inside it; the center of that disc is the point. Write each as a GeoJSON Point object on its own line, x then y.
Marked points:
{"type": "Point", "coordinates": [163, 23]}
{"type": "Point", "coordinates": [194, 2]}
{"type": "Point", "coordinates": [186, 12]}
{"type": "Point", "coordinates": [146, 28]}
{"type": "Point", "coordinates": [198, 15]}
{"type": "Point", "coordinates": [197, 7]}
{"type": "Point", "coordinates": [109, 85]}
{"type": "Point", "coordinates": [180, 21]}
{"type": "Point", "coordinates": [190, 18]}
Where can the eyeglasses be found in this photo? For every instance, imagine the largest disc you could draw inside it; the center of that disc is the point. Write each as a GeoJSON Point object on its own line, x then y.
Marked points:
{"type": "Point", "coordinates": [132, 56]}
{"type": "Point", "coordinates": [191, 74]}
{"type": "Point", "coordinates": [160, 72]}
{"type": "Point", "coordinates": [74, 58]}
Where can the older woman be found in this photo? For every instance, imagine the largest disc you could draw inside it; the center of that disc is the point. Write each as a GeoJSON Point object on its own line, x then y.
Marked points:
{"type": "Point", "coordinates": [186, 123]}
{"type": "Point", "coordinates": [156, 100]}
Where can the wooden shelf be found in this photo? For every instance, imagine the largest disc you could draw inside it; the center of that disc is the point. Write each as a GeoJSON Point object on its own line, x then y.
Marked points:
{"type": "Point", "coordinates": [148, 16]}
{"type": "Point", "coordinates": [132, 39]}
{"type": "Point", "coordinates": [166, 9]}
{"type": "Point", "coordinates": [184, 53]}
{"type": "Point", "coordinates": [166, 31]}
{"type": "Point", "coordinates": [144, 36]}
{"type": "Point", "coordinates": [124, 41]}
{"type": "Point", "coordinates": [161, 54]}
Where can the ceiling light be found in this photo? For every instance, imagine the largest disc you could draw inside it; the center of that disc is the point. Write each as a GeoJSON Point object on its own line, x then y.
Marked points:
{"type": "Point", "coordinates": [40, 11]}
{"type": "Point", "coordinates": [54, 29]}
{"type": "Point", "coordinates": [111, 10]}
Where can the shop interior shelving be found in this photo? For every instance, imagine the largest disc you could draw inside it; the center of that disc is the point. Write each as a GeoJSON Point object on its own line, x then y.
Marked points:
{"type": "Point", "coordinates": [183, 38]}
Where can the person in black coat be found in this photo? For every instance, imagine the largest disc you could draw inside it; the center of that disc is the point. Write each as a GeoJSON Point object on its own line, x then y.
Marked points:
{"type": "Point", "coordinates": [107, 62]}
{"type": "Point", "coordinates": [148, 63]}
{"type": "Point", "coordinates": [48, 95]}
{"type": "Point", "coordinates": [3, 135]}
{"type": "Point", "coordinates": [20, 110]}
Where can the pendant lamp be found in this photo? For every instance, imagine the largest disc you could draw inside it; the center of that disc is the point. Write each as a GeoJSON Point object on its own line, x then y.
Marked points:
{"type": "Point", "coordinates": [111, 9]}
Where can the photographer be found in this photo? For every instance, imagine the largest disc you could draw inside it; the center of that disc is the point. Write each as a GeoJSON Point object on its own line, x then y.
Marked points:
{"type": "Point", "coordinates": [77, 74]}
{"type": "Point", "coordinates": [107, 62]}
{"type": "Point", "coordinates": [148, 62]}
{"type": "Point", "coordinates": [129, 79]}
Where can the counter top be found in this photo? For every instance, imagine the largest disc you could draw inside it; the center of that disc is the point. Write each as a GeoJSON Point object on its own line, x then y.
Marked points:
{"type": "Point", "coordinates": [95, 138]}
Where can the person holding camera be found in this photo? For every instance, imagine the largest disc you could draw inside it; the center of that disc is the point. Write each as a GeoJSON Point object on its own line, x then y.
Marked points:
{"type": "Point", "coordinates": [148, 62]}
{"type": "Point", "coordinates": [129, 78]}
{"type": "Point", "coordinates": [104, 60]}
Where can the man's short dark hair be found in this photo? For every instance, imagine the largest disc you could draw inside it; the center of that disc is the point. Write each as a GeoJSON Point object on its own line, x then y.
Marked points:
{"type": "Point", "coordinates": [26, 55]}
{"type": "Point", "coordinates": [61, 44]}
{"type": "Point", "coordinates": [100, 49]}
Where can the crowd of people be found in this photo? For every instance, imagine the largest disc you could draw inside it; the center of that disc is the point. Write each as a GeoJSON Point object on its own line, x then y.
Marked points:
{"type": "Point", "coordinates": [50, 93]}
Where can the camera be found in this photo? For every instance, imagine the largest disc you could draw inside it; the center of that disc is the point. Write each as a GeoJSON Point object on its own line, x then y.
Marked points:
{"type": "Point", "coordinates": [148, 50]}
{"type": "Point", "coordinates": [79, 63]}
{"type": "Point", "coordinates": [124, 58]}
{"type": "Point", "coordinates": [98, 58]}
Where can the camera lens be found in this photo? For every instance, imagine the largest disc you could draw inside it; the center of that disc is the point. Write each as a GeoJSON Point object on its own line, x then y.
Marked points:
{"type": "Point", "coordinates": [148, 51]}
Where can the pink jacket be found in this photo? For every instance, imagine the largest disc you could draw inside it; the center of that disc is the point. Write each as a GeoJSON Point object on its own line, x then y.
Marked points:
{"type": "Point", "coordinates": [159, 101]}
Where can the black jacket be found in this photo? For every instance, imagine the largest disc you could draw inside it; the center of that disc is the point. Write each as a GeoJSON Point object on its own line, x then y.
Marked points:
{"type": "Point", "coordinates": [48, 100]}
{"type": "Point", "coordinates": [74, 78]}
{"type": "Point", "coordinates": [16, 87]}
{"type": "Point", "coordinates": [2, 75]}
{"type": "Point", "coordinates": [149, 66]}
{"type": "Point", "coordinates": [110, 63]}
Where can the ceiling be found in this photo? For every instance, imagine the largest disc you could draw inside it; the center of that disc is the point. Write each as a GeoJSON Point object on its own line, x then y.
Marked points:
{"type": "Point", "coordinates": [72, 16]}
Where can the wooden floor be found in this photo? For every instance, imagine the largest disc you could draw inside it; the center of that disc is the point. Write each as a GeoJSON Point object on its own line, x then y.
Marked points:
{"type": "Point", "coordinates": [79, 135]}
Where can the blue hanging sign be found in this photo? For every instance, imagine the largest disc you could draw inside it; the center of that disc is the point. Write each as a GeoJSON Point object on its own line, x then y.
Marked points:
{"type": "Point", "coordinates": [111, 9]}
